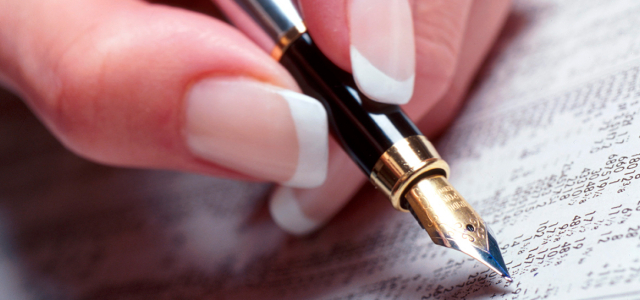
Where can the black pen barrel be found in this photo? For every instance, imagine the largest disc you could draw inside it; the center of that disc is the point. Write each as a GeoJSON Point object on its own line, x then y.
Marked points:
{"type": "Point", "coordinates": [364, 128]}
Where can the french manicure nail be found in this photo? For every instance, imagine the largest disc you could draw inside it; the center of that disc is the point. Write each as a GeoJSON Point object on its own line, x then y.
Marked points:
{"type": "Point", "coordinates": [259, 130]}
{"type": "Point", "coordinates": [382, 49]}
{"type": "Point", "coordinates": [287, 213]}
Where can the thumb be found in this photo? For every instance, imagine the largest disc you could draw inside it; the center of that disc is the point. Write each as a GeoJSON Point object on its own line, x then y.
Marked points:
{"type": "Point", "coordinates": [372, 38]}
{"type": "Point", "coordinates": [134, 84]}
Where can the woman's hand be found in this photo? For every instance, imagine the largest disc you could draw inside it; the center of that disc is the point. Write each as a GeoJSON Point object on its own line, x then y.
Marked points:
{"type": "Point", "coordinates": [129, 83]}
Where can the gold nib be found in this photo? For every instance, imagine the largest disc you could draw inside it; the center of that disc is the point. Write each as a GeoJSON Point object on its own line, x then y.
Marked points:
{"type": "Point", "coordinates": [451, 222]}
{"type": "Point", "coordinates": [414, 178]}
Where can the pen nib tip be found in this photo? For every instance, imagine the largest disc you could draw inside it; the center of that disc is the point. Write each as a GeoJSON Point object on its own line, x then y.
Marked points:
{"type": "Point", "coordinates": [452, 223]}
{"type": "Point", "coordinates": [493, 259]}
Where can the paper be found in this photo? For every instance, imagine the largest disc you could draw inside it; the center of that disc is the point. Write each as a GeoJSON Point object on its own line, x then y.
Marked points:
{"type": "Point", "coordinates": [547, 151]}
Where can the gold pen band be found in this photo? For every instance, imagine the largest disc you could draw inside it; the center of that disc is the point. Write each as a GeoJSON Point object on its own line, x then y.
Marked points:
{"type": "Point", "coordinates": [286, 39]}
{"type": "Point", "coordinates": [402, 164]}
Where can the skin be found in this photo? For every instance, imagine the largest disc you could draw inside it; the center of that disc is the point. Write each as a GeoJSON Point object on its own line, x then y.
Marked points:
{"type": "Point", "coordinates": [108, 78]}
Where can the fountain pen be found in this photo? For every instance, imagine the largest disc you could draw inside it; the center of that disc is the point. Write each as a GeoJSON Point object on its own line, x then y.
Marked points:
{"type": "Point", "coordinates": [380, 138]}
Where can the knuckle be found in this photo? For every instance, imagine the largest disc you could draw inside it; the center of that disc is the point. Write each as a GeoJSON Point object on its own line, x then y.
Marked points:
{"type": "Point", "coordinates": [439, 28]}
{"type": "Point", "coordinates": [78, 110]}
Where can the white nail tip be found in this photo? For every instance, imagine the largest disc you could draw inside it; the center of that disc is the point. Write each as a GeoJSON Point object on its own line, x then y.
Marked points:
{"type": "Point", "coordinates": [310, 119]}
{"type": "Point", "coordinates": [377, 85]}
{"type": "Point", "coordinates": [286, 212]}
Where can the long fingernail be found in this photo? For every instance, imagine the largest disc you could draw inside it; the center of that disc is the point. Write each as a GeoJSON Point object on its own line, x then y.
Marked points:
{"type": "Point", "coordinates": [258, 129]}
{"type": "Point", "coordinates": [287, 213]}
{"type": "Point", "coordinates": [383, 49]}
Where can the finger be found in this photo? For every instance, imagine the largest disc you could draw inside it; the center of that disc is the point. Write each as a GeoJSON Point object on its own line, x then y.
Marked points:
{"type": "Point", "coordinates": [382, 45]}
{"type": "Point", "coordinates": [439, 29]}
{"type": "Point", "coordinates": [378, 37]}
{"type": "Point", "coordinates": [485, 21]}
{"type": "Point", "coordinates": [134, 84]}
{"type": "Point", "coordinates": [301, 211]}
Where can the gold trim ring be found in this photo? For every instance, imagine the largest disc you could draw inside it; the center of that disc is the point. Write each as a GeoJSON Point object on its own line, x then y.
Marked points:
{"type": "Point", "coordinates": [286, 39]}
{"type": "Point", "coordinates": [402, 164]}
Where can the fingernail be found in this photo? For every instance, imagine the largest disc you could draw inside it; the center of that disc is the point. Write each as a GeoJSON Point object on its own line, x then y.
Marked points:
{"type": "Point", "coordinates": [287, 213]}
{"type": "Point", "coordinates": [383, 49]}
{"type": "Point", "coordinates": [259, 130]}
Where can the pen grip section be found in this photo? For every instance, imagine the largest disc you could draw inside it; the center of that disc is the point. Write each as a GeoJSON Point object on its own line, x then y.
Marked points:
{"type": "Point", "coordinates": [364, 128]}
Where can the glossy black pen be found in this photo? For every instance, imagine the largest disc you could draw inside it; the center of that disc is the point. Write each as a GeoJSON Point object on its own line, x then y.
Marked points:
{"type": "Point", "coordinates": [380, 138]}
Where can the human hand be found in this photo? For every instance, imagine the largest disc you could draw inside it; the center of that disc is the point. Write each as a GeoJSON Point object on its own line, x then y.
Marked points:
{"type": "Point", "coordinates": [134, 84]}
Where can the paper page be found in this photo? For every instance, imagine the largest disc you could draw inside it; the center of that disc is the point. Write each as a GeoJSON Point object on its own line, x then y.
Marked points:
{"type": "Point", "coordinates": [546, 150]}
